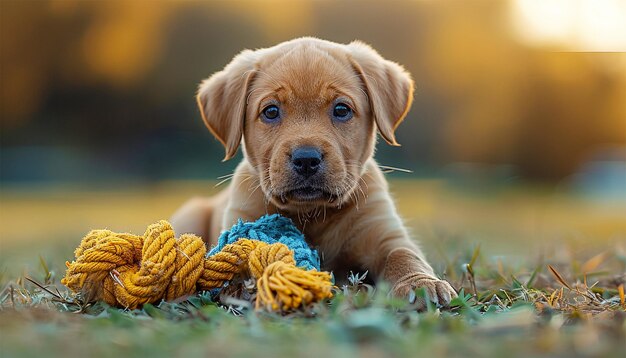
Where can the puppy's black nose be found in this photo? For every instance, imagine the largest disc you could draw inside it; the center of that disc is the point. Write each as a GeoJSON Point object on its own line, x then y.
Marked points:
{"type": "Point", "coordinates": [306, 161]}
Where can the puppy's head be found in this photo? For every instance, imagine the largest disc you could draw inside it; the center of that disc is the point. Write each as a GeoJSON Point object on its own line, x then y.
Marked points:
{"type": "Point", "coordinates": [307, 111]}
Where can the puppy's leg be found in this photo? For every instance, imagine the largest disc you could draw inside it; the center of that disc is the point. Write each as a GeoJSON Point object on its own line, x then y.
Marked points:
{"type": "Point", "coordinates": [194, 217]}
{"type": "Point", "coordinates": [399, 259]}
{"type": "Point", "coordinates": [202, 217]}
{"type": "Point", "coordinates": [384, 248]}
{"type": "Point", "coordinates": [381, 244]}
{"type": "Point", "coordinates": [406, 270]}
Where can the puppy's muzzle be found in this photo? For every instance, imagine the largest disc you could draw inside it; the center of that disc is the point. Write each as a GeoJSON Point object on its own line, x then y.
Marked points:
{"type": "Point", "coordinates": [307, 166]}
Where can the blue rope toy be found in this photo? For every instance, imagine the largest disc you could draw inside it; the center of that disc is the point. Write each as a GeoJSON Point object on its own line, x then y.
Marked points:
{"type": "Point", "coordinates": [272, 229]}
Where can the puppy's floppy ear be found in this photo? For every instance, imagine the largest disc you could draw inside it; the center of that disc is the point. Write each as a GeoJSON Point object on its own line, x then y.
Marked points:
{"type": "Point", "coordinates": [389, 88]}
{"type": "Point", "coordinates": [222, 100]}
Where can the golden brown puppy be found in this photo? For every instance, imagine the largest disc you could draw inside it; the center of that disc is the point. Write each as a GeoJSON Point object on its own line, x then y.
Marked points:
{"type": "Point", "coordinates": [306, 113]}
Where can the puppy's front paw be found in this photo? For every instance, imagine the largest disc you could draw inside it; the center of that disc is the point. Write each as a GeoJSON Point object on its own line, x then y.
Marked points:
{"type": "Point", "coordinates": [439, 291]}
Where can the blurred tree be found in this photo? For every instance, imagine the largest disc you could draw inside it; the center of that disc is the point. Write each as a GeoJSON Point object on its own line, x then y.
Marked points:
{"type": "Point", "coordinates": [113, 83]}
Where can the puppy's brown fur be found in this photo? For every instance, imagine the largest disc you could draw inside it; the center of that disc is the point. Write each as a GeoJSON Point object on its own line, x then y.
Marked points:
{"type": "Point", "coordinates": [354, 223]}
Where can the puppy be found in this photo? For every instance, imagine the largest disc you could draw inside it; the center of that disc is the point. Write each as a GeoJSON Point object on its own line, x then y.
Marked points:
{"type": "Point", "coordinates": [306, 113]}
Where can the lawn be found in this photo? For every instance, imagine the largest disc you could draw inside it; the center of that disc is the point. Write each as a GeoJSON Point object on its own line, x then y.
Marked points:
{"type": "Point", "coordinates": [542, 273]}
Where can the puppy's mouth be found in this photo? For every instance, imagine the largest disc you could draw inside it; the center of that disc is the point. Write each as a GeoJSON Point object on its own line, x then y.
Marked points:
{"type": "Point", "coordinates": [307, 194]}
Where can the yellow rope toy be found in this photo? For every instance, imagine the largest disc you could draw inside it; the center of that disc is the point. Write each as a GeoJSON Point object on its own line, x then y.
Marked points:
{"type": "Point", "coordinates": [128, 271]}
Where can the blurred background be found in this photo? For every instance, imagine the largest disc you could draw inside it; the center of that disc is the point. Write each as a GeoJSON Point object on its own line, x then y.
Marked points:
{"type": "Point", "coordinates": [520, 105]}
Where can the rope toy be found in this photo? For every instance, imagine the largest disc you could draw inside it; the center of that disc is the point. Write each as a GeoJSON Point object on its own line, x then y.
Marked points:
{"type": "Point", "coordinates": [128, 271]}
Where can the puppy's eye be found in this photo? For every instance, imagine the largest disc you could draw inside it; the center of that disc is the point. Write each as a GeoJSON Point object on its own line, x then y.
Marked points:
{"type": "Point", "coordinates": [342, 112]}
{"type": "Point", "coordinates": [270, 114]}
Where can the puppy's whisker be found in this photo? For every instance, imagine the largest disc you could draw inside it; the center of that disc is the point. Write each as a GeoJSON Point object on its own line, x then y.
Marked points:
{"type": "Point", "coordinates": [356, 198]}
{"type": "Point", "coordinates": [251, 193]}
{"type": "Point", "coordinates": [354, 188]}
{"type": "Point", "coordinates": [222, 182]}
{"type": "Point", "coordinates": [224, 178]}
{"type": "Point", "coordinates": [362, 192]}
{"type": "Point", "coordinates": [356, 184]}
{"type": "Point", "coordinates": [362, 180]}
{"type": "Point", "coordinates": [244, 180]}
{"type": "Point", "coordinates": [389, 169]}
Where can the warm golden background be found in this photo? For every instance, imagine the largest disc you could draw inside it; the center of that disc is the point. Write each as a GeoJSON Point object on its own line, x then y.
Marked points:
{"type": "Point", "coordinates": [517, 134]}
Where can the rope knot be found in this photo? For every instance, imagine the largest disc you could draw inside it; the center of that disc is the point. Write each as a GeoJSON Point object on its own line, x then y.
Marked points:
{"type": "Point", "coordinates": [128, 271]}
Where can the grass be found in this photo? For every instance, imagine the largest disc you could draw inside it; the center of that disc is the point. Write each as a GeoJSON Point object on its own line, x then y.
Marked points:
{"type": "Point", "coordinates": [540, 273]}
